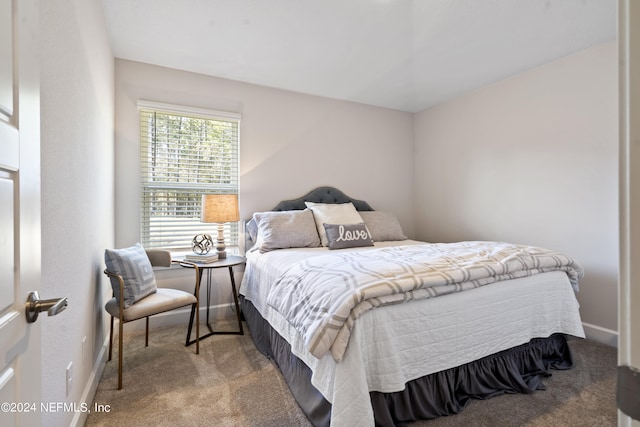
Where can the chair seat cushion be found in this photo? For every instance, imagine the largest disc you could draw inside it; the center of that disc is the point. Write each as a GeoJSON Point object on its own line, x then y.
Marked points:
{"type": "Point", "coordinates": [163, 299]}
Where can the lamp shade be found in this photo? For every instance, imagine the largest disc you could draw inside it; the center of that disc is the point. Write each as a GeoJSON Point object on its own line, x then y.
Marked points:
{"type": "Point", "coordinates": [219, 208]}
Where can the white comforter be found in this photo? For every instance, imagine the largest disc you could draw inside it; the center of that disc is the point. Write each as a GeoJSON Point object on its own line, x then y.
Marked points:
{"type": "Point", "coordinates": [398, 343]}
{"type": "Point", "coordinates": [322, 296]}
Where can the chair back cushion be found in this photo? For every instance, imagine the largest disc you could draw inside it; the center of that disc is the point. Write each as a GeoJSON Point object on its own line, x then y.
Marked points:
{"type": "Point", "coordinates": [135, 268]}
{"type": "Point", "coordinates": [159, 257]}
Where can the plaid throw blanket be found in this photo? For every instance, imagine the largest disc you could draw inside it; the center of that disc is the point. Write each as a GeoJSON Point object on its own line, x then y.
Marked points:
{"type": "Point", "coordinates": [324, 295]}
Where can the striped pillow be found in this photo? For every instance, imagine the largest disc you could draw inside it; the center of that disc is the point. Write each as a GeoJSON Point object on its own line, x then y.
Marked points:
{"type": "Point", "coordinates": [135, 268]}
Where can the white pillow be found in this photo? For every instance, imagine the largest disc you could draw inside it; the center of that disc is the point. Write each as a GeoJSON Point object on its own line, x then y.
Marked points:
{"type": "Point", "coordinates": [330, 213]}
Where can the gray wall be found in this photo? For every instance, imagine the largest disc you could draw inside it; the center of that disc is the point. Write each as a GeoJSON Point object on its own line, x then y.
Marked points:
{"type": "Point", "coordinates": [290, 143]}
{"type": "Point", "coordinates": [532, 159]}
{"type": "Point", "coordinates": [77, 76]}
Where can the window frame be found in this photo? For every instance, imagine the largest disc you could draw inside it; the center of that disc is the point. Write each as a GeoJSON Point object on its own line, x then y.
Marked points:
{"type": "Point", "coordinates": [180, 225]}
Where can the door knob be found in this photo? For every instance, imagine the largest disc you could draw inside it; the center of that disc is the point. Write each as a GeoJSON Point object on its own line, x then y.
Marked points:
{"type": "Point", "coordinates": [35, 305]}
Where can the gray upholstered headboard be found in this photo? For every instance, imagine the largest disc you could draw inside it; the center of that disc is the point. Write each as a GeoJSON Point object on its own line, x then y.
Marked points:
{"type": "Point", "coordinates": [322, 195]}
{"type": "Point", "coordinates": [318, 195]}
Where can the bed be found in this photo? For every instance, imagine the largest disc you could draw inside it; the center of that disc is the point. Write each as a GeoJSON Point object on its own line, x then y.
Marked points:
{"type": "Point", "coordinates": [360, 345]}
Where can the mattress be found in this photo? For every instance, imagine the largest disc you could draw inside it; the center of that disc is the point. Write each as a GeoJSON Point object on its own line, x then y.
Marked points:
{"type": "Point", "coordinates": [392, 345]}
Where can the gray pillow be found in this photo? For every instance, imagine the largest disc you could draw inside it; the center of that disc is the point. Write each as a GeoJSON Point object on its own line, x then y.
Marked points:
{"type": "Point", "coordinates": [286, 229]}
{"type": "Point", "coordinates": [135, 268]}
{"type": "Point", "coordinates": [342, 236]}
{"type": "Point", "coordinates": [383, 226]}
{"type": "Point", "coordinates": [252, 228]}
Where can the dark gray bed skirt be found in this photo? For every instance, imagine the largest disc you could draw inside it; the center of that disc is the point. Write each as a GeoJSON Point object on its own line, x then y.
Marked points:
{"type": "Point", "coordinates": [516, 370]}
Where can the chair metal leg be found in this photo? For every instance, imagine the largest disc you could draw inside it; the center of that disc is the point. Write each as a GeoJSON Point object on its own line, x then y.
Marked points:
{"type": "Point", "coordinates": [110, 337]}
{"type": "Point", "coordinates": [146, 334]}
{"type": "Point", "coordinates": [198, 325]}
{"type": "Point", "coordinates": [119, 354]}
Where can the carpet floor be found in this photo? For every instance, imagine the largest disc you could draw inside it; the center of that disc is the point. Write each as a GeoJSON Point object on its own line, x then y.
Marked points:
{"type": "Point", "coordinates": [231, 384]}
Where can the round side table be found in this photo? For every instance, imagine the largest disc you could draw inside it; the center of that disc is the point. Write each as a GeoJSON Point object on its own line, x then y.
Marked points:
{"type": "Point", "coordinates": [229, 262]}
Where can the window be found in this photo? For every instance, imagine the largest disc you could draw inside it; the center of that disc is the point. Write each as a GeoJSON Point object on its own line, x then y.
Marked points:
{"type": "Point", "coordinates": [184, 153]}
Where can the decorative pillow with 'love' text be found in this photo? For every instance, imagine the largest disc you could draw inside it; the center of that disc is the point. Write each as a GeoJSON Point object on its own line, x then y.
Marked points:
{"type": "Point", "coordinates": [342, 236]}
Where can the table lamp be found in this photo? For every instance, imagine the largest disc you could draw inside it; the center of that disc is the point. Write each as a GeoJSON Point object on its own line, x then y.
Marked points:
{"type": "Point", "coordinates": [220, 208]}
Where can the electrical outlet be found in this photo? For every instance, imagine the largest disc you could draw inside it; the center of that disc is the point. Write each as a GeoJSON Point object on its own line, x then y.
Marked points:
{"type": "Point", "coordinates": [69, 377]}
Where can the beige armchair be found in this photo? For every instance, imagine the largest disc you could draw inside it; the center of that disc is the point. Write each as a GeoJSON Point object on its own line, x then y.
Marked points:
{"type": "Point", "coordinates": [127, 268]}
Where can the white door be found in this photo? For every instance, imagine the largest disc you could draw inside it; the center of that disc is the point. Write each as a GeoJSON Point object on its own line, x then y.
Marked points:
{"type": "Point", "coordinates": [19, 212]}
{"type": "Point", "coordinates": [628, 390]}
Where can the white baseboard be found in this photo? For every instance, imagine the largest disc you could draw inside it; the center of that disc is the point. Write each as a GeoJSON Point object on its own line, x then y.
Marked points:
{"type": "Point", "coordinates": [600, 334]}
{"type": "Point", "coordinates": [91, 386]}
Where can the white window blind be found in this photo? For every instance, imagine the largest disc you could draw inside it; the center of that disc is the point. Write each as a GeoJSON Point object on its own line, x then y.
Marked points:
{"type": "Point", "coordinates": [184, 153]}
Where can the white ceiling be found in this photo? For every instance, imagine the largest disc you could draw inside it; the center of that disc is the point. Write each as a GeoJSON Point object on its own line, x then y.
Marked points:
{"type": "Point", "coordinates": [402, 54]}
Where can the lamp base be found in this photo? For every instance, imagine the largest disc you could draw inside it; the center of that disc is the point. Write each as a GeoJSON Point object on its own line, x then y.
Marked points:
{"type": "Point", "coordinates": [222, 254]}
{"type": "Point", "coordinates": [220, 247]}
